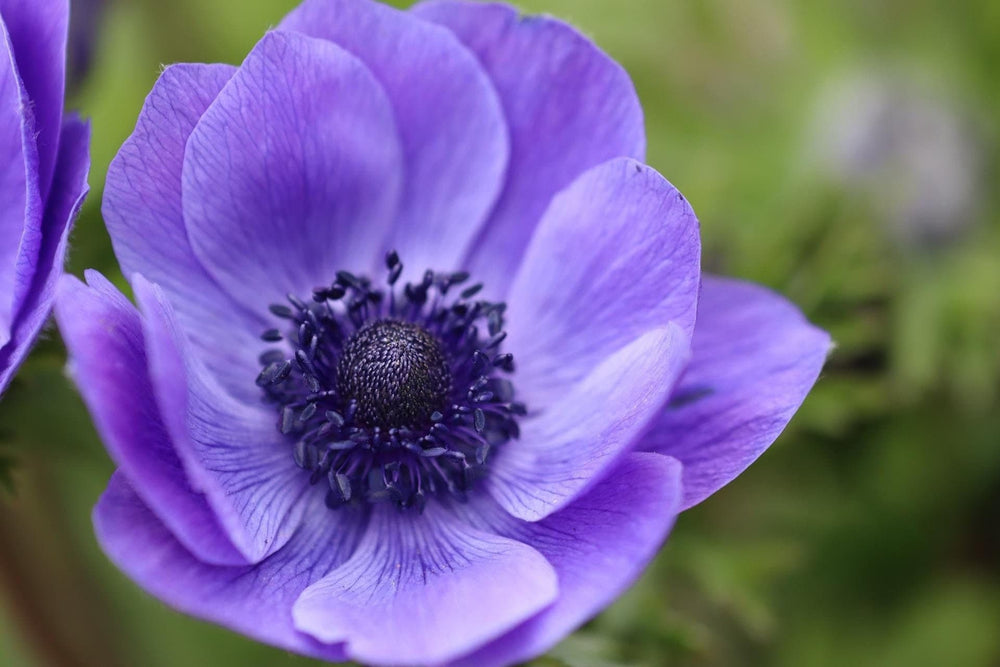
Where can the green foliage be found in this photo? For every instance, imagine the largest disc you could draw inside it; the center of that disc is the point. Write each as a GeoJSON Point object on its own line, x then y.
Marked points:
{"type": "Point", "coordinates": [6, 474]}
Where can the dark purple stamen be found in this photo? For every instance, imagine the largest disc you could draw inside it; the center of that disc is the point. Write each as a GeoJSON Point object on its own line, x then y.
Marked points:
{"type": "Point", "coordinates": [393, 394]}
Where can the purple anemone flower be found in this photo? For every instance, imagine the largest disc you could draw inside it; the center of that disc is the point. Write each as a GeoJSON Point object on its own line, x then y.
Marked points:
{"type": "Point", "coordinates": [419, 372]}
{"type": "Point", "coordinates": [43, 171]}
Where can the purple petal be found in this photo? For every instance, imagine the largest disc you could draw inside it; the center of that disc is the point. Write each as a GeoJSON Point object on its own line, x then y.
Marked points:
{"type": "Point", "coordinates": [44, 260]}
{"type": "Point", "coordinates": [142, 209]}
{"type": "Point", "coordinates": [568, 107]}
{"type": "Point", "coordinates": [253, 600]}
{"type": "Point", "coordinates": [598, 545]}
{"type": "Point", "coordinates": [231, 450]}
{"type": "Point", "coordinates": [755, 357]}
{"type": "Point", "coordinates": [20, 203]}
{"type": "Point", "coordinates": [293, 172]}
{"type": "Point", "coordinates": [616, 254]}
{"type": "Point", "coordinates": [573, 442]}
{"type": "Point", "coordinates": [424, 589]}
{"type": "Point", "coordinates": [108, 363]}
{"type": "Point", "coordinates": [451, 126]}
{"type": "Point", "coordinates": [38, 30]}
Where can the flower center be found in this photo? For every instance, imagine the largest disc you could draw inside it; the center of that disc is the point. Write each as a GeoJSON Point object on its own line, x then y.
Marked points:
{"type": "Point", "coordinates": [396, 373]}
{"type": "Point", "coordinates": [394, 394]}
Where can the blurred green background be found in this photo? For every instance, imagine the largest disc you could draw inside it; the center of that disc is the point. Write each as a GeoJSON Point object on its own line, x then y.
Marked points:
{"type": "Point", "coordinates": [843, 152]}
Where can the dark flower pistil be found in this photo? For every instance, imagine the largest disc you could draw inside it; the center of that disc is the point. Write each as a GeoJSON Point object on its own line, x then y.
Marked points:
{"type": "Point", "coordinates": [392, 394]}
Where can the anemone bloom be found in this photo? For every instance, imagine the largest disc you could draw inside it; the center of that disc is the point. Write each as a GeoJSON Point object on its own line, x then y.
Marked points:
{"type": "Point", "coordinates": [43, 171]}
{"type": "Point", "coordinates": [415, 375]}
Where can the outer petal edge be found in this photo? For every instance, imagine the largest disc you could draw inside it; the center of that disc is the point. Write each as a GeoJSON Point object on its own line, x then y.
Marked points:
{"type": "Point", "coordinates": [755, 358]}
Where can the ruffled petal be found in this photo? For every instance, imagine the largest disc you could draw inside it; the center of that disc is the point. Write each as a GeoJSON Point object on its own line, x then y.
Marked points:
{"type": "Point", "coordinates": [253, 600]}
{"type": "Point", "coordinates": [572, 443]}
{"type": "Point", "coordinates": [451, 126]}
{"type": "Point", "coordinates": [424, 589]}
{"type": "Point", "coordinates": [755, 357]}
{"type": "Point", "coordinates": [143, 213]}
{"type": "Point", "coordinates": [616, 254]}
{"type": "Point", "coordinates": [232, 451]}
{"type": "Point", "coordinates": [38, 31]}
{"type": "Point", "coordinates": [598, 546]}
{"type": "Point", "coordinates": [568, 107]}
{"type": "Point", "coordinates": [39, 269]}
{"type": "Point", "coordinates": [108, 363]}
{"type": "Point", "coordinates": [293, 172]}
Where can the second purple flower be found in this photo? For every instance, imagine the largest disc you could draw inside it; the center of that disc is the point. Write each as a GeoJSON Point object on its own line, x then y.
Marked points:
{"type": "Point", "coordinates": [43, 171]}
